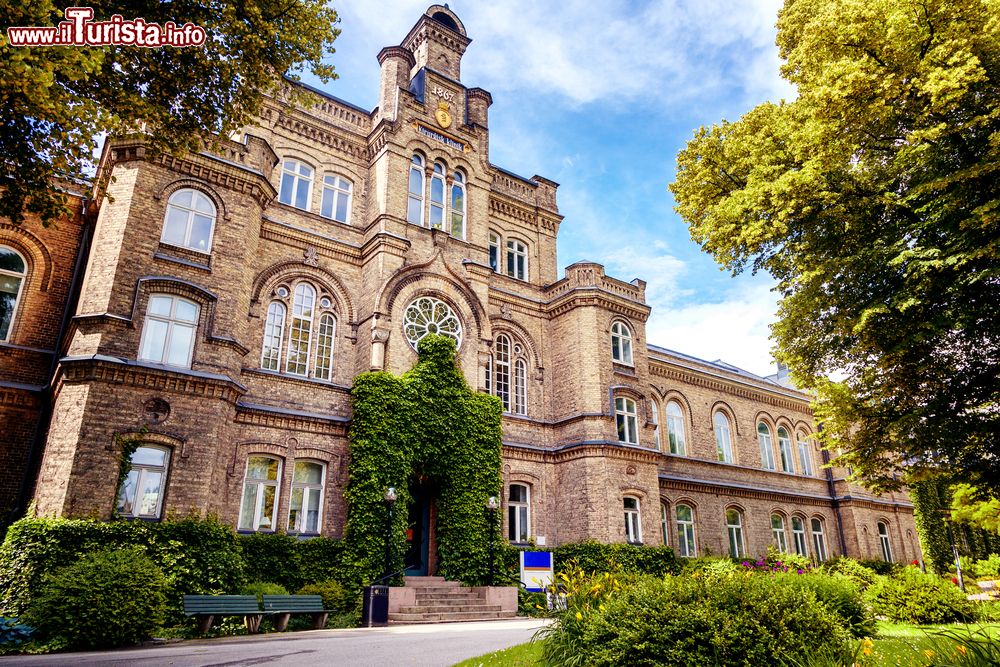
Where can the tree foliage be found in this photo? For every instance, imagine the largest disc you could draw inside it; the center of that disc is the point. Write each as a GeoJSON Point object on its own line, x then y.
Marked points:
{"type": "Point", "coordinates": [970, 507]}
{"type": "Point", "coordinates": [56, 102]}
{"type": "Point", "coordinates": [873, 199]}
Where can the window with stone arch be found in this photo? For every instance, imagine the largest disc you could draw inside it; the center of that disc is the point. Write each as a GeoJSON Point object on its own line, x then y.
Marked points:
{"type": "Point", "coordinates": [415, 191]}
{"type": "Point", "coordinates": [626, 420]}
{"type": "Point", "coordinates": [817, 526]}
{"type": "Point", "coordinates": [300, 329]}
{"type": "Point", "coordinates": [734, 529]}
{"type": "Point", "coordinates": [884, 542]}
{"type": "Point", "coordinates": [723, 437]}
{"type": "Point", "coordinates": [685, 530]}
{"type": "Point", "coordinates": [429, 315]}
{"type": "Point", "coordinates": [259, 502]}
{"type": "Point", "coordinates": [510, 374]}
{"type": "Point", "coordinates": [13, 273]}
{"type": "Point", "coordinates": [296, 184]}
{"type": "Point", "coordinates": [778, 532]}
{"type": "Point", "coordinates": [305, 508]}
{"type": "Point", "coordinates": [141, 494]}
{"type": "Point", "coordinates": [189, 221]}
{"type": "Point", "coordinates": [519, 513]}
{"type": "Point", "coordinates": [799, 536]}
{"type": "Point", "coordinates": [785, 450]}
{"type": "Point", "coordinates": [805, 455]}
{"type": "Point", "coordinates": [675, 429]}
{"type": "Point", "coordinates": [766, 446]}
{"type": "Point", "coordinates": [621, 343]}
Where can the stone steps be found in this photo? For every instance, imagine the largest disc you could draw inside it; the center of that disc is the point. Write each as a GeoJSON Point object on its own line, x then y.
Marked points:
{"type": "Point", "coordinates": [400, 618]}
{"type": "Point", "coordinates": [440, 601]}
{"type": "Point", "coordinates": [448, 608]}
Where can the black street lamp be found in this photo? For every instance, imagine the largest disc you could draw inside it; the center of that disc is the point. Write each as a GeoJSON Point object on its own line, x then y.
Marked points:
{"type": "Point", "coordinates": [946, 514]}
{"type": "Point", "coordinates": [390, 501]}
{"type": "Point", "coordinates": [492, 505]}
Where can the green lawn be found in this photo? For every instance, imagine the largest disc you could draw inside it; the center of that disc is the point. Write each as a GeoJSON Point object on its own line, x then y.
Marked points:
{"type": "Point", "coordinates": [521, 655]}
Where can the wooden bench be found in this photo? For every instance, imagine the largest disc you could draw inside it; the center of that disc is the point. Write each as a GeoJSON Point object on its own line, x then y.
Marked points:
{"type": "Point", "coordinates": [206, 607]}
{"type": "Point", "coordinates": [283, 606]}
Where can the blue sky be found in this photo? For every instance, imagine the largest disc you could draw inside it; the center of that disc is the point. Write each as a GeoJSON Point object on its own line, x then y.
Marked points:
{"type": "Point", "coordinates": [600, 101]}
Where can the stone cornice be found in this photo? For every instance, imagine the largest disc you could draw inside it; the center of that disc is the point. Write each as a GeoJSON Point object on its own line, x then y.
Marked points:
{"type": "Point", "coordinates": [596, 297]}
{"type": "Point", "coordinates": [299, 237]}
{"type": "Point", "coordinates": [272, 417]}
{"type": "Point", "coordinates": [577, 450]}
{"type": "Point", "coordinates": [128, 373]}
{"type": "Point", "coordinates": [731, 386]}
{"type": "Point", "coordinates": [20, 398]}
{"type": "Point", "coordinates": [304, 126]}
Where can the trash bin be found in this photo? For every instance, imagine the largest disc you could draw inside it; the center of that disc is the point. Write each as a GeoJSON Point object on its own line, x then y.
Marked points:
{"type": "Point", "coordinates": [375, 607]}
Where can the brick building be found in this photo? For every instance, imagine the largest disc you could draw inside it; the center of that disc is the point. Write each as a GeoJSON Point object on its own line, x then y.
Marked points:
{"type": "Point", "coordinates": [230, 297]}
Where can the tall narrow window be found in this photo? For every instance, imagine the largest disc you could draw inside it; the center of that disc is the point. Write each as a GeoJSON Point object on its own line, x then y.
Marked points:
{"type": "Point", "coordinates": [723, 442]}
{"type": "Point", "coordinates": [168, 332]}
{"type": "Point", "coordinates": [805, 456]}
{"type": "Point", "coordinates": [778, 532]}
{"type": "Point", "coordinates": [457, 207]}
{"type": "Point", "coordinates": [675, 428]}
{"type": "Point", "coordinates": [633, 526]}
{"type": "Point", "coordinates": [300, 332]}
{"type": "Point", "coordinates": [819, 539]}
{"type": "Point", "coordinates": [520, 387]}
{"type": "Point", "coordinates": [259, 505]}
{"type": "Point", "coordinates": [12, 273]}
{"type": "Point", "coordinates": [437, 197]}
{"type": "Point", "coordinates": [336, 203]}
{"type": "Point", "coordinates": [501, 370]}
{"type": "Point", "coordinates": [296, 184]}
{"type": "Point", "coordinates": [494, 252]}
{"type": "Point", "coordinates": [274, 329]}
{"type": "Point", "coordinates": [884, 541]}
{"type": "Point", "coordinates": [305, 506]}
{"type": "Point", "coordinates": [685, 531]}
{"type": "Point", "coordinates": [734, 526]}
{"type": "Point", "coordinates": [415, 198]}
{"type": "Point", "coordinates": [518, 513]}
{"type": "Point", "coordinates": [324, 346]}
{"type": "Point", "coordinates": [654, 416]}
{"type": "Point", "coordinates": [621, 343]}
{"type": "Point", "coordinates": [625, 420]}
{"type": "Point", "coordinates": [766, 448]}
{"type": "Point", "coordinates": [664, 523]}
{"type": "Point", "coordinates": [189, 221]}
{"type": "Point", "coordinates": [141, 495]}
{"type": "Point", "coordinates": [517, 259]}
{"type": "Point", "coordinates": [785, 449]}
{"type": "Point", "coordinates": [799, 536]}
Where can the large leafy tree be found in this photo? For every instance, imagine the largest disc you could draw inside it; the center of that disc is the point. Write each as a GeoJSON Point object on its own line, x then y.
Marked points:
{"type": "Point", "coordinates": [872, 198]}
{"type": "Point", "coordinates": [57, 102]}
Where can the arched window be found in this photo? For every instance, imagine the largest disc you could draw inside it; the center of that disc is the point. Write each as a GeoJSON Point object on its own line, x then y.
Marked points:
{"type": "Point", "coordinates": [766, 448]}
{"type": "Point", "coordinates": [785, 448]}
{"type": "Point", "coordinates": [621, 343]}
{"type": "Point", "coordinates": [324, 346]}
{"type": "Point", "coordinates": [685, 531]}
{"type": "Point", "coordinates": [13, 271]}
{"type": "Point", "coordinates": [633, 524]}
{"type": "Point", "coordinates": [296, 184]}
{"type": "Point", "coordinates": [510, 375]}
{"type": "Point", "coordinates": [336, 202]}
{"type": "Point", "coordinates": [819, 538]}
{"type": "Point", "coordinates": [675, 429]}
{"type": "Point", "coordinates": [415, 197]}
{"type": "Point", "coordinates": [437, 197]}
{"type": "Point", "coordinates": [168, 332]}
{"type": "Point", "coordinates": [884, 541]}
{"type": "Point", "coordinates": [259, 504]}
{"type": "Point", "coordinates": [501, 371]}
{"type": "Point", "coordinates": [805, 456]}
{"type": "Point", "coordinates": [799, 536]}
{"type": "Point", "coordinates": [517, 259]}
{"type": "Point", "coordinates": [664, 522]}
{"type": "Point", "coordinates": [458, 205]}
{"type": "Point", "coordinates": [274, 328]}
{"type": "Point", "coordinates": [190, 220]}
{"type": "Point", "coordinates": [520, 387]}
{"type": "Point", "coordinates": [519, 513]}
{"type": "Point", "coordinates": [654, 416]}
{"type": "Point", "coordinates": [778, 532]}
{"type": "Point", "coordinates": [723, 442]}
{"type": "Point", "coordinates": [305, 509]}
{"type": "Point", "coordinates": [141, 494]}
{"type": "Point", "coordinates": [734, 527]}
{"type": "Point", "coordinates": [426, 315]}
{"type": "Point", "coordinates": [494, 252]}
{"type": "Point", "coordinates": [625, 420]}
{"type": "Point", "coordinates": [300, 332]}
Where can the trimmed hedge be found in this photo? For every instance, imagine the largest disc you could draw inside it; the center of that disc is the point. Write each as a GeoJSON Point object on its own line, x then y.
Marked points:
{"type": "Point", "coordinates": [290, 561]}
{"type": "Point", "coordinates": [597, 557]}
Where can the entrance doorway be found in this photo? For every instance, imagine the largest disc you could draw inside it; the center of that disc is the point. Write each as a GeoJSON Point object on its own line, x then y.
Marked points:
{"type": "Point", "coordinates": [418, 528]}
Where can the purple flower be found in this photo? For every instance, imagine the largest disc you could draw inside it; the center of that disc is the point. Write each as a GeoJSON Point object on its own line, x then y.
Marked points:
{"type": "Point", "coordinates": [801, 570]}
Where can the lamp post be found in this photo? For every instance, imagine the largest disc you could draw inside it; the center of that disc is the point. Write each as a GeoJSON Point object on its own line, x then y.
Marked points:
{"type": "Point", "coordinates": [946, 514]}
{"type": "Point", "coordinates": [491, 507]}
{"type": "Point", "coordinates": [390, 501]}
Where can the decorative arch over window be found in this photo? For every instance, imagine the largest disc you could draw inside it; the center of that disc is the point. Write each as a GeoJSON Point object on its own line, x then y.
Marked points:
{"type": "Point", "coordinates": [884, 541]}
{"type": "Point", "coordinates": [509, 377]}
{"type": "Point", "coordinates": [13, 273]}
{"type": "Point", "coordinates": [778, 532]}
{"type": "Point", "coordinates": [734, 529]}
{"type": "Point", "coordinates": [259, 502]}
{"type": "Point", "coordinates": [142, 491]}
{"type": "Point", "coordinates": [336, 201]}
{"type": "Point", "coordinates": [626, 420]}
{"type": "Point", "coordinates": [415, 189]}
{"type": "Point", "coordinates": [296, 184]}
{"type": "Point", "coordinates": [675, 428]}
{"type": "Point", "coordinates": [766, 446]}
{"type": "Point", "coordinates": [427, 315]}
{"type": "Point", "coordinates": [306, 337]}
{"type": "Point", "coordinates": [519, 513]}
{"type": "Point", "coordinates": [785, 450]}
{"type": "Point", "coordinates": [621, 342]}
{"type": "Point", "coordinates": [189, 221]}
{"type": "Point", "coordinates": [723, 436]}
{"type": "Point", "coordinates": [805, 453]}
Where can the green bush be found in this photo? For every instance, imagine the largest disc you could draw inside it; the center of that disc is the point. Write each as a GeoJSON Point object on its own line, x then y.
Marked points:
{"type": "Point", "coordinates": [336, 598]}
{"type": "Point", "coordinates": [987, 569]}
{"type": "Point", "coordinates": [911, 596]}
{"type": "Point", "coordinates": [881, 567]}
{"type": "Point", "coordinates": [862, 576]}
{"type": "Point", "coordinates": [262, 588]}
{"type": "Point", "coordinates": [105, 599]}
{"type": "Point", "coordinates": [628, 558]}
{"type": "Point", "coordinates": [840, 595]}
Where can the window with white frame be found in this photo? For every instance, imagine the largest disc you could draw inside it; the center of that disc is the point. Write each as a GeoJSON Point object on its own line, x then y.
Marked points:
{"type": "Point", "coordinates": [259, 504]}
{"type": "Point", "coordinates": [509, 375]}
{"type": "Point", "coordinates": [664, 523]}
{"type": "Point", "coordinates": [734, 528]}
{"type": "Point", "coordinates": [675, 428]}
{"type": "Point", "coordinates": [415, 187]}
{"type": "Point", "coordinates": [301, 329]}
{"type": "Point", "coordinates": [274, 328]}
{"type": "Point", "coordinates": [819, 539]}
{"type": "Point", "coordinates": [778, 532]}
{"type": "Point", "coordinates": [306, 501]}
{"type": "Point", "coordinates": [785, 450]}
{"type": "Point", "coordinates": [141, 494]}
{"type": "Point", "coordinates": [428, 315]}
{"type": "Point", "coordinates": [336, 201]}
{"type": "Point", "coordinates": [519, 513]}
{"type": "Point", "coordinates": [884, 541]}
{"type": "Point", "coordinates": [168, 331]}
{"type": "Point", "coordinates": [626, 420]}
{"type": "Point", "coordinates": [296, 184]}
{"type": "Point", "coordinates": [723, 439]}
{"type": "Point", "coordinates": [494, 252]}
{"type": "Point", "coordinates": [190, 220]}
{"type": "Point", "coordinates": [436, 219]}
{"type": "Point", "coordinates": [520, 386]}
{"type": "Point", "coordinates": [633, 524]}
{"type": "Point", "coordinates": [799, 536]}
{"type": "Point", "coordinates": [13, 271]}
{"type": "Point", "coordinates": [685, 531]}
{"type": "Point", "coordinates": [517, 259]}
{"type": "Point", "coordinates": [457, 205]}
{"type": "Point", "coordinates": [805, 456]}
{"type": "Point", "coordinates": [307, 337]}
{"type": "Point", "coordinates": [654, 417]}
{"type": "Point", "coordinates": [621, 343]}
{"type": "Point", "coordinates": [766, 447]}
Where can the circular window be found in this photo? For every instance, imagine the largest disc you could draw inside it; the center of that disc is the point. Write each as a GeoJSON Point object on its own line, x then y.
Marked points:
{"type": "Point", "coordinates": [428, 315]}
{"type": "Point", "coordinates": [325, 302]}
{"type": "Point", "coordinates": [282, 292]}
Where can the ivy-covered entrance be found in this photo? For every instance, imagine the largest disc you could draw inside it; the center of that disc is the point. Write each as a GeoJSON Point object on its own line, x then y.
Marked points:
{"type": "Point", "coordinates": [425, 434]}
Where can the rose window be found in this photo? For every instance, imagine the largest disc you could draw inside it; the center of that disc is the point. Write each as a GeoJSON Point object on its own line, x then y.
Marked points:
{"type": "Point", "coordinates": [428, 315]}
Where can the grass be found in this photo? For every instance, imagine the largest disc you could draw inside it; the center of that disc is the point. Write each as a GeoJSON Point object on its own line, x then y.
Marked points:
{"type": "Point", "coordinates": [521, 655]}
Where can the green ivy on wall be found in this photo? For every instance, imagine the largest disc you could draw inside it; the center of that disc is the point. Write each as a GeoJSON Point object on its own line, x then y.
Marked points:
{"type": "Point", "coordinates": [428, 426]}
{"type": "Point", "coordinates": [127, 446]}
{"type": "Point", "coordinates": [930, 497]}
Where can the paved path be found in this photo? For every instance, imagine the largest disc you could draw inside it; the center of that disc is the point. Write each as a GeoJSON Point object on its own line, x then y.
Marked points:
{"type": "Point", "coordinates": [426, 645]}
